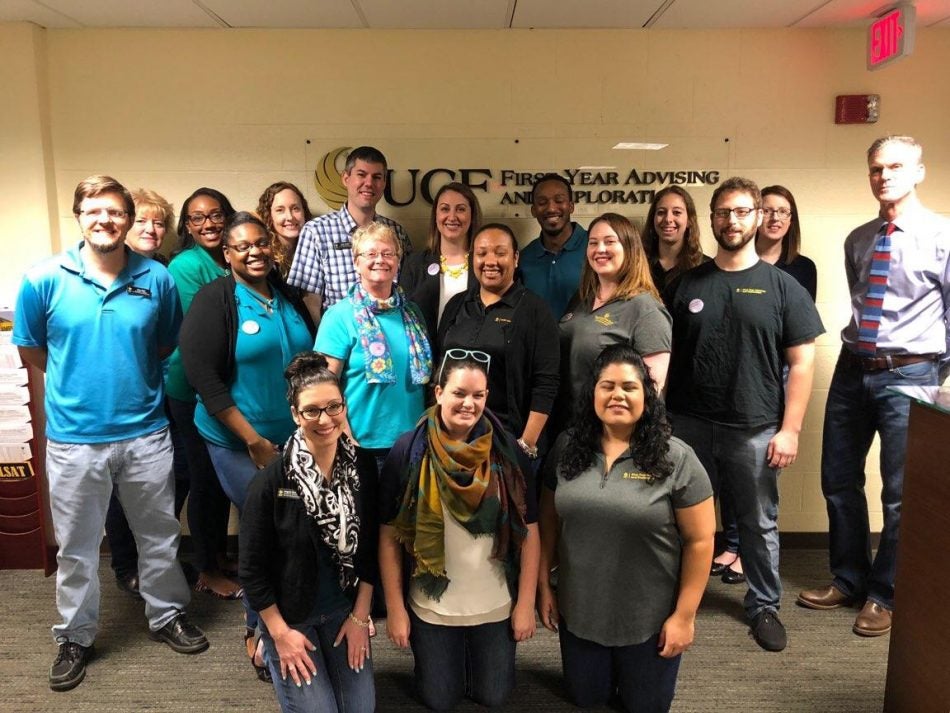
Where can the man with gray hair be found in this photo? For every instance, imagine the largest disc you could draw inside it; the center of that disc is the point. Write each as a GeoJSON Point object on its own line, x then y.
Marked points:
{"type": "Point", "coordinates": [97, 320]}
{"type": "Point", "coordinates": [898, 271]}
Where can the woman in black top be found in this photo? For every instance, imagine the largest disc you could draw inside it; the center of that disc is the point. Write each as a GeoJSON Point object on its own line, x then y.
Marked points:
{"type": "Point", "coordinates": [432, 277]}
{"type": "Point", "coordinates": [308, 552]}
{"type": "Point", "coordinates": [515, 327]}
{"type": "Point", "coordinates": [671, 236]}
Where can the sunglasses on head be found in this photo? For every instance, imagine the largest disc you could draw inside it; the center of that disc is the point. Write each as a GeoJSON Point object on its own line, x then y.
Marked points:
{"type": "Point", "coordinates": [462, 354]}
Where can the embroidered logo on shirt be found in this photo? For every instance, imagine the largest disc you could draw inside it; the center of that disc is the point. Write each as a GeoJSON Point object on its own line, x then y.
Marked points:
{"type": "Point", "coordinates": [749, 291]}
{"type": "Point", "coordinates": [503, 320]}
{"type": "Point", "coordinates": [604, 320]}
{"type": "Point", "coordinates": [636, 475]}
{"type": "Point", "coordinates": [288, 493]}
{"type": "Point", "coordinates": [138, 291]}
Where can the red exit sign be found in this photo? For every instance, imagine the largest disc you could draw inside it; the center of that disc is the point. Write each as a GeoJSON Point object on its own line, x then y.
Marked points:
{"type": "Point", "coordinates": [891, 36]}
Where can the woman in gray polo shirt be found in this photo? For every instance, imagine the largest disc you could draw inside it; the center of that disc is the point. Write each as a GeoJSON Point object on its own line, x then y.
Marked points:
{"type": "Point", "coordinates": [627, 515]}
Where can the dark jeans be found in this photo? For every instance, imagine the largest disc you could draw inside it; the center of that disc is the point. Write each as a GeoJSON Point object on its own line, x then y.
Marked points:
{"type": "Point", "coordinates": [729, 539]}
{"type": "Point", "coordinates": [860, 404]}
{"type": "Point", "coordinates": [336, 688]}
{"type": "Point", "coordinates": [455, 661]}
{"type": "Point", "coordinates": [592, 673]}
{"type": "Point", "coordinates": [124, 554]}
{"type": "Point", "coordinates": [208, 506]}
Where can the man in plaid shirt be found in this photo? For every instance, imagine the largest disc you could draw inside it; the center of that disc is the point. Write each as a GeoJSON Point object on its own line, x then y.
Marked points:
{"type": "Point", "coordinates": [323, 264]}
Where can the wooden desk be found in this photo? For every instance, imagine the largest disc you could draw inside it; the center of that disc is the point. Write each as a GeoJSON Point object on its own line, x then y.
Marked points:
{"type": "Point", "coordinates": [918, 665]}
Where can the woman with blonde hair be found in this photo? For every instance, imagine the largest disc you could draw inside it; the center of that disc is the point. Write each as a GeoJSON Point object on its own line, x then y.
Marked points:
{"type": "Point", "coordinates": [617, 303]}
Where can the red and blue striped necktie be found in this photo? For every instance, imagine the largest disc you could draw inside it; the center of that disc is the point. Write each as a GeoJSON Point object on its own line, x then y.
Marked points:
{"type": "Point", "coordinates": [874, 298]}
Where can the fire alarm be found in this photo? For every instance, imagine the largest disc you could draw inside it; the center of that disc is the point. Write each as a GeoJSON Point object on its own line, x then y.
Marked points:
{"type": "Point", "coordinates": [857, 108]}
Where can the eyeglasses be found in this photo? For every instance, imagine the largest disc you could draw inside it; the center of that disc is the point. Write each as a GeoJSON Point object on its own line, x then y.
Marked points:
{"type": "Point", "coordinates": [780, 213]}
{"type": "Point", "coordinates": [740, 213]}
{"type": "Point", "coordinates": [158, 224]}
{"type": "Point", "coordinates": [313, 413]}
{"type": "Point", "coordinates": [373, 254]}
{"type": "Point", "coordinates": [113, 213]}
{"type": "Point", "coordinates": [241, 248]}
{"type": "Point", "coordinates": [198, 219]}
{"type": "Point", "coordinates": [462, 354]}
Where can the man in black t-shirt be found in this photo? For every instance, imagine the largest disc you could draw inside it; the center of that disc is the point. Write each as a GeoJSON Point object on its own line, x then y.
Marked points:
{"type": "Point", "coordinates": [736, 322]}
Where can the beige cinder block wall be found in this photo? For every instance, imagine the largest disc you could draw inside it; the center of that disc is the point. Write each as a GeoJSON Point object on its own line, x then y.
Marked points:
{"type": "Point", "coordinates": [175, 109]}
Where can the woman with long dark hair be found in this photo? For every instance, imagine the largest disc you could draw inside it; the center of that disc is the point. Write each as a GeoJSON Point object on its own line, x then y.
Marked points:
{"type": "Point", "coordinates": [459, 548]}
{"type": "Point", "coordinates": [627, 516]}
{"type": "Point", "coordinates": [671, 236]}
{"type": "Point", "coordinates": [284, 210]}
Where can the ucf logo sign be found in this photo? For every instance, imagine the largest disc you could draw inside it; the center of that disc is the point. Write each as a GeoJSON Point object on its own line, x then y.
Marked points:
{"type": "Point", "coordinates": [511, 186]}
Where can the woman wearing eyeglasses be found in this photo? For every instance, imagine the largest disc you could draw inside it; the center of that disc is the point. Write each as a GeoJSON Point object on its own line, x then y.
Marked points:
{"type": "Point", "coordinates": [778, 243]}
{"type": "Point", "coordinates": [197, 260]}
{"type": "Point", "coordinates": [501, 317]}
{"type": "Point", "coordinates": [237, 338]}
{"type": "Point", "coordinates": [617, 303]}
{"type": "Point", "coordinates": [284, 211]}
{"type": "Point", "coordinates": [375, 340]}
{"type": "Point", "coordinates": [671, 236]}
{"type": "Point", "coordinates": [308, 552]}
{"type": "Point", "coordinates": [432, 277]}
{"type": "Point", "coordinates": [458, 545]}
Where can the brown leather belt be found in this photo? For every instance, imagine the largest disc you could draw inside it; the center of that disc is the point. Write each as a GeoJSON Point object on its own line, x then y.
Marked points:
{"type": "Point", "coordinates": [880, 363]}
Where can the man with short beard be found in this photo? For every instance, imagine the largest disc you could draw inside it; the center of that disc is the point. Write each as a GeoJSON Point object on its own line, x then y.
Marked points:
{"type": "Point", "coordinates": [737, 321]}
{"type": "Point", "coordinates": [550, 265]}
{"type": "Point", "coordinates": [98, 319]}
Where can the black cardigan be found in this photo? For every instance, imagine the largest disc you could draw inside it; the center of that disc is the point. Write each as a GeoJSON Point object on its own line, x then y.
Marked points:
{"type": "Point", "coordinates": [422, 287]}
{"type": "Point", "coordinates": [278, 541]}
{"type": "Point", "coordinates": [532, 353]}
{"type": "Point", "coordinates": [208, 338]}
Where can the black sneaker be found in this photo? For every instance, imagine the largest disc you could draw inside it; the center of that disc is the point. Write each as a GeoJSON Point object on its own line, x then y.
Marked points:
{"type": "Point", "coordinates": [768, 631]}
{"type": "Point", "coordinates": [69, 668]}
{"type": "Point", "coordinates": [181, 635]}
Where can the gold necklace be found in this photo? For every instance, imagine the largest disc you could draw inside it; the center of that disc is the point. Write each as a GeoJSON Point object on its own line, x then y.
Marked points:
{"type": "Point", "coordinates": [453, 272]}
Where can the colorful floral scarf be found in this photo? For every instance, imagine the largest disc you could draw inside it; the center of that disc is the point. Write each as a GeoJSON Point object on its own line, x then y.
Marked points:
{"type": "Point", "coordinates": [330, 504]}
{"type": "Point", "coordinates": [479, 483]}
{"type": "Point", "coordinates": [379, 361]}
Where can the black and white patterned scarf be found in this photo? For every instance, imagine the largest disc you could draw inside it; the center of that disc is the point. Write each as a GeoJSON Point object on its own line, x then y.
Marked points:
{"type": "Point", "coordinates": [330, 504]}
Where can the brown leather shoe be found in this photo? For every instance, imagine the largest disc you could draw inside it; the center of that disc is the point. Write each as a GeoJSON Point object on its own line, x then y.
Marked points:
{"type": "Point", "coordinates": [829, 597]}
{"type": "Point", "coordinates": [874, 620]}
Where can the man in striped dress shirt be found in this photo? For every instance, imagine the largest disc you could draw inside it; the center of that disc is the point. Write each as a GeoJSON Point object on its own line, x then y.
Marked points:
{"type": "Point", "coordinates": [898, 270]}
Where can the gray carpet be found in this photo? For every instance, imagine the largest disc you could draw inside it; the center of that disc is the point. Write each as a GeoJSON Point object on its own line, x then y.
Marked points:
{"type": "Point", "coordinates": [825, 668]}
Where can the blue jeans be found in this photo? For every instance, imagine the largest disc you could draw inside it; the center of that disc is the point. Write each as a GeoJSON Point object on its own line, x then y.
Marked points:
{"type": "Point", "coordinates": [645, 680]}
{"type": "Point", "coordinates": [859, 404]}
{"type": "Point", "coordinates": [738, 456]}
{"type": "Point", "coordinates": [336, 688]}
{"type": "Point", "coordinates": [455, 661]}
{"type": "Point", "coordinates": [235, 471]}
{"type": "Point", "coordinates": [81, 480]}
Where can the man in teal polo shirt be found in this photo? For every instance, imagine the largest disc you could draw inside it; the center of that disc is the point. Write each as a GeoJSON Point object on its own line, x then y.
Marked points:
{"type": "Point", "coordinates": [98, 319]}
{"type": "Point", "coordinates": [551, 264]}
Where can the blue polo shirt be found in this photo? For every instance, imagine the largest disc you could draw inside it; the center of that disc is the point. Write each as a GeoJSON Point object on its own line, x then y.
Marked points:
{"type": "Point", "coordinates": [103, 374]}
{"type": "Point", "coordinates": [554, 276]}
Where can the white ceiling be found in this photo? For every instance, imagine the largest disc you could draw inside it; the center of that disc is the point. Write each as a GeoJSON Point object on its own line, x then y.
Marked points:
{"type": "Point", "coordinates": [461, 14]}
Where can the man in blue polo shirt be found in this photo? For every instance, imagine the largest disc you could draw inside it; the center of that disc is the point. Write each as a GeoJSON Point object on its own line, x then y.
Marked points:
{"type": "Point", "coordinates": [551, 264]}
{"type": "Point", "coordinates": [98, 319]}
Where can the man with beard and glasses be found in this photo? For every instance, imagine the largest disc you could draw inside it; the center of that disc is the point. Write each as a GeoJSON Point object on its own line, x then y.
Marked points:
{"type": "Point", "coordinates": [98, 319]}
{"type": "Point", "coordinates": [736, 322]}
{"type": "Point", "coordinates": [551, 264]}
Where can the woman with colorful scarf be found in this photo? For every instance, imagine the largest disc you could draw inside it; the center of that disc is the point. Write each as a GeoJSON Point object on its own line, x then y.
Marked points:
{"type": "Point", "coordinates": [375, 341]}
{"type": "Point", "coordinates": [308, 552]}
{"type": "Point", "coordinates": [458, 553]}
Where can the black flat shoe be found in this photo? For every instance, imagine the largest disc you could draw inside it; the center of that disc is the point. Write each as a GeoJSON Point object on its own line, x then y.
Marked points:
{"type": "Point", "coordinates": [717, 569]}
{"type": "Point", "coordinates": [730, 576]}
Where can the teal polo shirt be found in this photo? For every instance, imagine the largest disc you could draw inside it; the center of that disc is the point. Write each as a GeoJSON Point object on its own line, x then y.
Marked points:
{"type": "Point", "coordinates": [554, 276]}
{"type": "Point", "coordinates": [103, 374]}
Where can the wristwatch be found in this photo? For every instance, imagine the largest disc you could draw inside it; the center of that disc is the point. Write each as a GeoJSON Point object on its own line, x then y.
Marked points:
{"type": "Point", "coordinates": [530, 451]}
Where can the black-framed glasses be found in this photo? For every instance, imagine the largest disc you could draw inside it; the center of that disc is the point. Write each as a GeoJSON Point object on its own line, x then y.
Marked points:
{"type": "Point", "coordinates": [780, 213]}
{"type": "Point", "coordinates": [462, 354]}
{"type": "Point", "coordinates": [740, 213]}
{"type": "Point", "coordinates": [196, 220]}
{"type": "Point", "coordinates": [313, 413]}
{"type": "Point", "coordinates": [242, 248]}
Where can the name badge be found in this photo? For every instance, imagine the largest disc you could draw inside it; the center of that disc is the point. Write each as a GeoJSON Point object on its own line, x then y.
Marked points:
{"type": "Point", "coordinates": [342, 246]}
{"type": "Point", "coordinates": [138, 291]}
{"type": "Point", "coordinates": [287, 493]}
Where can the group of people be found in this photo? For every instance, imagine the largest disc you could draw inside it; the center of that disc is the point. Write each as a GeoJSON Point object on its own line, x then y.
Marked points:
{"type": "Point", "coordinates": [470, 428]}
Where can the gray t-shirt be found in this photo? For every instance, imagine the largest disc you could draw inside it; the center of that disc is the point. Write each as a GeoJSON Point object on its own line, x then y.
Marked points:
{"type": "Point", "coordinates": [619, 547]}
{"type": "Point", "coordinates": [641, 322]}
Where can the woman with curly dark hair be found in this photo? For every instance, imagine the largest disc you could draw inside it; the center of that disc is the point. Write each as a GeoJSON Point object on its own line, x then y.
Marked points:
{"type": "Point", "coordinates": [617, 483]}
{"type": "Point", "coordinates": [671, 236]}
{"type": "Point", "coordinates": [284, 210]}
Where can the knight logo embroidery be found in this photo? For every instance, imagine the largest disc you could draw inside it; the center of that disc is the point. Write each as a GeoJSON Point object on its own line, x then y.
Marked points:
{"type": "Point", "coordinates": [604, 320]}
